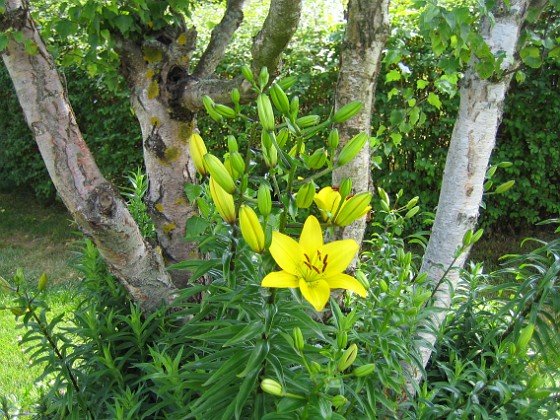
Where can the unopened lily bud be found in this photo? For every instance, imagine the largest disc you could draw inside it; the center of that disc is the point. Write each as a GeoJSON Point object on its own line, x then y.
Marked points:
{"type": "Point", "coordinates": [347, 358]}
{"type": "Point", "coordinates": [333, 139]}
{"type": "Point", "coordinates": [219, 172]}
{"type": "Point", "coordinates": [282, 137]}
{"type": "Point", "coordinates": [232, 144]}
{"type": "Point", "coordinates": [342, 339]}
{"type": "Point", "coordinates": [251, 229]}
{"type": "Point", "coordinates": [308, 121]}
{"type": "Point", "coordinates": [345, 187]}
{"type": "Point", "coordinates": [247, 73]}
{"type": "Point", "coordinates": [339, 401]}
{"type": "Point", "coordinates": [263, 77]}
{"type": "Point", "coordinates": [352, 148]}
{"type": "Point", "coordinates": [225, 111]}
{"type": "Point", "coordinates": [264, 200]}
{"type": "Point", "coordinates": [294, 107]}
{"type": "Point", "coordinates": [270, 386]}
{"type": "Point", "coordinates": [235, 96]}
{"type": "Point", "coordinates": [237, 162]}
{"type": "Point", "coordinates": [197, 149]}
{"type": "Point", "coordinates": [299, 342]}
{"type": "Point", "coordinates": [305, 195]}
{"type": "Point", "coordinates": [353, 209]}
{"type": "Point", "coordinates": [42, 283]}
{"type": "Point", "coordinates": [525, 336]}
{"type": "Point", "coordinates": [318, 159]}
{"type": "Point", "coordinates": [270, 156]}
{"type": "Point", "coordinates": [266, 114]}
{"type": "Point", "coordinates": [231, 170]}
{"type": "Point", "coordinates": [209, 106]}
{"type": "Point", "coordinates": [223, 201]}
{"type": "Point", "coordinates": [266, 140]}
{"type": "Point", "coordinates": [364, 370]}
{"type": "Point", "coordinates": [347, 112]}
{"type": "Point", "coordinates": [280, 99]}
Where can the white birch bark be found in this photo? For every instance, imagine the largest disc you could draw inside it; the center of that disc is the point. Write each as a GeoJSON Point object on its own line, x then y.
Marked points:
{"type": "Point", "coordinates": [472, 142]}
{"type": "Point", "coordinates": [367, 31]}
{"type": "Point", "coordinates": [94, 203]}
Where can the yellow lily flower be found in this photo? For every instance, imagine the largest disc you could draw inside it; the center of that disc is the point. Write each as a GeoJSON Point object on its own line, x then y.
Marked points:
{"type": "Point", "coordinates": [312, 266]}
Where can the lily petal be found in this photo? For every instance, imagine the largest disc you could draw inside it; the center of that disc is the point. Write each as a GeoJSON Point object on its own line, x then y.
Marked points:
{"type": "Point", "coordinates": [280, 279]}
{"type": "Point", "coordinates": [311, 238]}
{"type": "Point", "coordinates": [286, 252]}
{"type": "Point", "coordinates": [317, 293]}
{"type": "Point", "coordinates": [344, 281]}
{"type": "Point", "coordinates": [341, 254]}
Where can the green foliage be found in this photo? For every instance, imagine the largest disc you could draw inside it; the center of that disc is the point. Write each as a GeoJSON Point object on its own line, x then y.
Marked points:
{"type": "Point", "coordinates": [138, 209]}
{"type": "Point", "coordinates": [533, 151]}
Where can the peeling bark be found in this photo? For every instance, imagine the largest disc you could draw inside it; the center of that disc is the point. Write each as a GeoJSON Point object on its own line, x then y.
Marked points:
{"type": "Point", "coordinates": [367, 31]}
{"type": "Point", "coordinates": [91, 199]}
{"type": "Point", "coordinates": [472, 142]}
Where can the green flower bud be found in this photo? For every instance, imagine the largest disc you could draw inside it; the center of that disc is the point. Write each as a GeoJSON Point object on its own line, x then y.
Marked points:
{"type": "Point", "coordinates": [42, 283]}
{"type": "Point", "coordinates": [318, 159]}
{"type": "Point", "coordinates": [299, 342]}
{"type": "Point", "coordinates": [282, 137]}
{"type": "Point", "coordinates": [264, 200]}
{"type": "Point", "coordinates": [347, 358]}
{"type": "Point", "coordinates": [352, 148]}
{"type": "Point", "coordinates": [266, 140]}
{"type": "Point", "coordinates": [525, 336]}
{"type": "Point", "coordinates": [333, 139]}
{"type": "Point", "coordinates": [308, 121]}
{"type": "Point", "coordinates": [225, 111]}
{"type": "Point", "coordinates": [279, 99]}
{"type": "Point", "coordinates": [341, 339]}
{"type": "Point", "coordinates": [294, 107]}
{"type": "Point", "coordinates": [247, 73]}
{"type": "Point", "coordinates": [270, 386]}
{"type": "Point", "coordinates": [232, 144]}
{"type": "Point", "coordinates": [339, 401]}
{"type": "Point", "coordinates": [266, 114]}
{"type": "Point", "coordinates": [347, 112]}
{"type": "Point", "coordinates": [364, 370]}
{"type": "Point", "coordinates": [345, 188]}
{"type": "Point", "coordinates": [219, 172]}
{"type": "Point", "coordinates": [305, 195]}
{"type": "Point", "coordinates": [237, 162]}
{"type": "Point", "coordinates": [251, 229]}
{"type": "Point", "coordinates": [263, 77]}
{"type": "Point", "coordinates": [353, 209]}
{"type": "Point", "coordinates": [235, 96]}
{"type": "Point", "coordinates": [209, 106]}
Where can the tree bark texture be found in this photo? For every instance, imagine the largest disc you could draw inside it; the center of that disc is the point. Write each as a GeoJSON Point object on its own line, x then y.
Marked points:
{"type": "Point", "coordinates": [92, 200]}
{"type": "Point", "coordinates": [366, 33]}
{"type": "Point", "coordinates": [472, 142]}
{"type": "Point", "coordinates": [165, 95]}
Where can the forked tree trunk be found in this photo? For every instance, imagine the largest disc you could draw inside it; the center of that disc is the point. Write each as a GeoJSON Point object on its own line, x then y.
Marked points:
{"type": "Point", "coordinates": [94, 203]}
{"type": "Point", "coordinates": [366, 33]}
{"type": "Point", "coordinates": [472, 142]}
{"type": "Point", "coordinates": [166, 97]}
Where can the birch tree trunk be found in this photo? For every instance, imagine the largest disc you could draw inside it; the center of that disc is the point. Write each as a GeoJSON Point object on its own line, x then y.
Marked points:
{"type": "Point", "coordinates": [472, 142]}
{"type": "Point", "coordinates": [165, 96]}
{"type": "Point", "coordinates": [93, 202]}
{"type": "Point", "coordinates": [366, 33]}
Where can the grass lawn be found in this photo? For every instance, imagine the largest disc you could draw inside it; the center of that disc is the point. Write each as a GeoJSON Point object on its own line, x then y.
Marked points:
{"type": "Point", "coordinates": [39, 239]}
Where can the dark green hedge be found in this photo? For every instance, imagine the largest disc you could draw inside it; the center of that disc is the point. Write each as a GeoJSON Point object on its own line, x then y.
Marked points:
{"type": "Point", "coordinates": [107, 123]}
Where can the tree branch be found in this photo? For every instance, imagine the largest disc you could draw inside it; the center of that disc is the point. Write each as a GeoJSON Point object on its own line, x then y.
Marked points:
{"type": "Point", "coordinates": [220, 39]}
{"type": "Point", "coordinates": [278, 28]}
{"type": "Point", "coordinates": [94, 203]}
